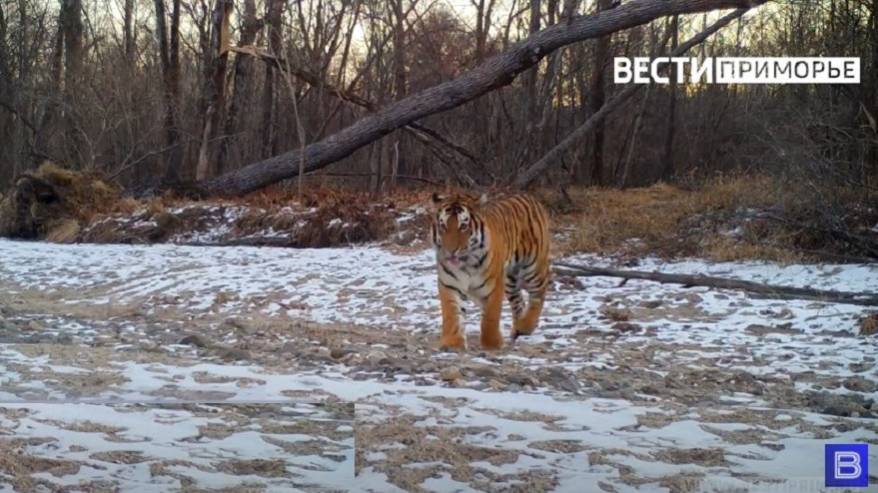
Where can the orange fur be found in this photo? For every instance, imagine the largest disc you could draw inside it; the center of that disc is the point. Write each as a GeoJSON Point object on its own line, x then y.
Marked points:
{"type": "Point", "coordinates": [485, 252]}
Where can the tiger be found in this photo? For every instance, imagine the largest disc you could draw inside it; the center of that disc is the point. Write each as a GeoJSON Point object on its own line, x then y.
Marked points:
{"type": "Point", "coordinates": [486, 250]}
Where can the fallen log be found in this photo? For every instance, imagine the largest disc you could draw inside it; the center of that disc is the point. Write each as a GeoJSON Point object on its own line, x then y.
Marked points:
{"type": "Point", "coordinates": [767, 290]}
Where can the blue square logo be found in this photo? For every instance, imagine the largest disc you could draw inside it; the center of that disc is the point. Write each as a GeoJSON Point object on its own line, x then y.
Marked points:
{"type": "Point", "coordinates": [846, 464]}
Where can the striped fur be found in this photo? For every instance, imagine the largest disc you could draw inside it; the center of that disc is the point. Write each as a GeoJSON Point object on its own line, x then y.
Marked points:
{"type": "Point", "coordinates": [486, 251]}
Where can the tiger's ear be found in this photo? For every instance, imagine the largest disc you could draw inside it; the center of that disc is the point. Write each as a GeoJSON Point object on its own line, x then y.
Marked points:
{"type": "Point", "coordinates": [437, 199]}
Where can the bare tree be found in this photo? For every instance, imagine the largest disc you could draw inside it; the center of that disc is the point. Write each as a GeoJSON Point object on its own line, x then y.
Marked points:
{"type": "Point", "coordinates": [274, 24]}
{"type": "Point", "coordinates": [494, 73]}
{"type": "Point", "coordinates": [242, 84]}
{"type": "Point", "coordinates": [530, 175]}
{"type": "Point", "coordinates": [214, 83]}
{"type": "Point", "coordinates": [667, 154]}
{"type": "Point", "coordinates": [169, 56]}
{"type": "Point", "coordinates": [596, 99]}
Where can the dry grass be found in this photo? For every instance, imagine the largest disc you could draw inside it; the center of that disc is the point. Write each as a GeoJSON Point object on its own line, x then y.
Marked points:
{"type": "Point", "coordinates": [323, 217]}
{"type": "Point", "coordinates": [728, 218]}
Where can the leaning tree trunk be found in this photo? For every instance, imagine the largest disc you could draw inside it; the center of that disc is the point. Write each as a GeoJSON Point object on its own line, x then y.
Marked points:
{"type": "Point", "coordinates": [496, 72]}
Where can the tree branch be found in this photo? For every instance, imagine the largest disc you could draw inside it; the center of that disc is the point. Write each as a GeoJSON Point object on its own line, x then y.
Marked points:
{"type": "Point", "coordinates": [768, 290]}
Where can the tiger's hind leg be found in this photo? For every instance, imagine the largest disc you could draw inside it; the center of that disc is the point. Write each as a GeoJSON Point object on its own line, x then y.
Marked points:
{"type": "Point", "coordinates": [536, 288]}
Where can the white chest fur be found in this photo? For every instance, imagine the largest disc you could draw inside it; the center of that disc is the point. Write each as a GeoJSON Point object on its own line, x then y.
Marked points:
{"type": "Point", "coordinates": [468, 279]}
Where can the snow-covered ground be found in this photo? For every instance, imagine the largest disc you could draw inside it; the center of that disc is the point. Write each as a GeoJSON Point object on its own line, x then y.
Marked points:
{"type": "Point", "coordinates": [150, 368]}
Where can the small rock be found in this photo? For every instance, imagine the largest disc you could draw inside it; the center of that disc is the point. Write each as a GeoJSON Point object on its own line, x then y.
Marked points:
{"type": "Point", "coordinates": [194, 340]}
{"type": "Point", "coordinates": [233, 354]}
{"type": "Point", "coordinates": [616, 314]}
{"type": "Point", "coordinates": [860, 367]}
{"type": "Point", "coordinates": [339, 353]}
{"type": "Point", "coordinates": [651, 303]}
{"type": "Point", "coordinates": [625, 327]}
{"type": "Point", "coordinates": [869, 324]}
{"type": "Point", "coordinates": [496, 384]}
{"type": "Point", "coordinates": [450, 374]}
{"type": "Point", "coordinates": [773, 446]}
{"type": "Point", "coordinates": [523, 380]}
{"type": "Point", "coordinates": [859, 384]}
{"type": "Point", "coordinates": [482, 371]}
{"type": "Point", "coordinates": [376, 357]}
{"type": "Point", "coordinates": [236, 325]}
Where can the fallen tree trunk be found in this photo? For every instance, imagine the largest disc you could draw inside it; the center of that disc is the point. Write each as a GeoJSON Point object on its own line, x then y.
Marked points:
{"type": "Point", "coordinates": [767, 290]}
{"type": "Point", "coordinates": [494, 73]}
{"type": "Point", "coordinates": [556, 154]}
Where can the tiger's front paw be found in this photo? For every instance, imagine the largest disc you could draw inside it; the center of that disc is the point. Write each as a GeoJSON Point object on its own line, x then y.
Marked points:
{"type": "Point", "coordinates": [492, 341]}
{"type": "Point", "coordinates": [454, 343]}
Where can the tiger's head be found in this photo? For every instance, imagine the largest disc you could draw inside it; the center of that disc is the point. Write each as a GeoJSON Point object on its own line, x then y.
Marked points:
{"type": "Point", "coordinates": [458, 230]}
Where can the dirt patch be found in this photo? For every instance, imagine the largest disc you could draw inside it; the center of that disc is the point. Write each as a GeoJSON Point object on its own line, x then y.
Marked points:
{"type": "Point", "coordinates": [83, 426]}
{"type": "Point", "coordinates": [761, 330]}
{"type": "Point", "coordinates": [121, 457]}
{"type": "Point", "coordinates": [559, 446]}
{"type": "Point", "coordinates": [423, 447]}
{"type": "Point", "coordinates": [707, 457]}
{"type": "Point", "coordinates": [241, 382]}
{"type": "Point", "coordinates": [323, 448]}
{"type": "Point", "coordinates": [274, 468]}
{"type": "Point", "coordinates": [18, 467]}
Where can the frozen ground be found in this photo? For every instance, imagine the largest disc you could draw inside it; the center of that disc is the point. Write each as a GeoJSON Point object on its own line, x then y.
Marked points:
{"type": "Point", "coordinates": [155, 368]}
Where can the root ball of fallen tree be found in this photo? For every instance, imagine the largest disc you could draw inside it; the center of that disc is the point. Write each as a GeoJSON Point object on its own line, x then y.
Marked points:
{"type": "Point", "coordinates": [53, 203]}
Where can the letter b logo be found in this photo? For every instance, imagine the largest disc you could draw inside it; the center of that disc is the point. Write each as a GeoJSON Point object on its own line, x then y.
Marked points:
{"type": "Point", "coordinates": [846, 464]}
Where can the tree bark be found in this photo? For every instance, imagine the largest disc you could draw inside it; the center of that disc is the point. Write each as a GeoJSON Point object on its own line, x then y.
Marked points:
{"type": "Point", "coordinates": [169, 57]}
{"type": "Point", "coordinates": [768, 290]}
{"type": "Point", "coordinates": [668, 153]}
{"type": "Point", "coordinates": [242, 82]}
{"type": "Point", "coordinates": [71, 20]}
{"type": "Point", "coordinates": [496, 72]}
{"type": "Point", "coordinates": [128, 32]}
{"type": "Point", "coordinates": [400, 82]}
{"type": "Point", "coordinates": [596, 98]}
{"type": "Point", "coordinates": [556, 154]}
{"type": "Point", "coordinates": [273, 20]}
{"type": "Point", "coordinates": [214, 83]}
